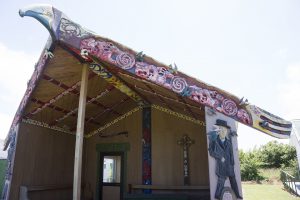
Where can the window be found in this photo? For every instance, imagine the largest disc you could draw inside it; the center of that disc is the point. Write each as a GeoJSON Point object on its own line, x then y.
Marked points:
{"type": "Point", "coordinates": [112, 169]}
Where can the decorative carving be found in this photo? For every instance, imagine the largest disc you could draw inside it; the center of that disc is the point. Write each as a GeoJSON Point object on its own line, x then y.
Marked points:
{"type": "Point", "coordinates": [116, 82]}
{"type": "Point", "coordinates": [227, 194]}
{"type": "Point", "coordinates": [220, 147]}
{"type": "Point", "coordinates": [69, 29]}
{"type": "Point", "coordinates": [186, 142]}
{"type": "Point", "coordinates": [140, 56]}
{"type": "Point", "coordinates": [147, 157]}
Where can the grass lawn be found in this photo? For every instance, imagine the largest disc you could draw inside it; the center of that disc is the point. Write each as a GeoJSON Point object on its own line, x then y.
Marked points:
{"type": "Point", "coordinates": [265, 192]}
{"type": "Point", "coordinates": [2, 173]}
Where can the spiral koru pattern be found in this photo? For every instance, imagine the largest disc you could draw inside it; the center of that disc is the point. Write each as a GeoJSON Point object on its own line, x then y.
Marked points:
{"type": "Point", "coordinates": [178, 84]}
{"type": "Point", "coordinates": [125, 61]}
{"type": "Point", "coordinates": [229, 107]}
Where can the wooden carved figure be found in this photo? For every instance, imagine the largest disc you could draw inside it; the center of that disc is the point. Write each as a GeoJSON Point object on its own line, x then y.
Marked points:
{"type": "Point", "coordinates": [220, 148]}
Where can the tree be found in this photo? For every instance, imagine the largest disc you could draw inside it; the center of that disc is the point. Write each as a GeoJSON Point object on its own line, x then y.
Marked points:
{"type": "Point", "coordinates": [276, 155]}
{"type": "Point", "coordinates": [249, 166]}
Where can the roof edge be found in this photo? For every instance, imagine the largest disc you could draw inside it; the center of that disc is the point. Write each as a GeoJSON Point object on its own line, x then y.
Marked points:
{"type": "Point", "coordinates": [90, 47]}
{"type": "Point", "coordinates": [31, 85]}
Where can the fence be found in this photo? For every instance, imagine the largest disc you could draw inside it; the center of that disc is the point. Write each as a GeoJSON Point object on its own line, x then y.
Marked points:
{"type": "Point", "coordinates": [290, 182]}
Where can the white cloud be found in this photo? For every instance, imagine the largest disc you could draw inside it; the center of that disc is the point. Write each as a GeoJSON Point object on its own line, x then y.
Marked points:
{"type": "Point", "coordinates": [283, 53]}
{"type": "Point", "coordinates": [15, 70]}
{"type": "Point", "coordinates": [289, 92]}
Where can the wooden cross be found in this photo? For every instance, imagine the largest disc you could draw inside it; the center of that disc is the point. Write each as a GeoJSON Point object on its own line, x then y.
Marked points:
{"type": "Point", "coordinates": [186, 142]}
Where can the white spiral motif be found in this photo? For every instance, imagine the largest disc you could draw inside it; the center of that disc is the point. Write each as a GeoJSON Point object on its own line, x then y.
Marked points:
{"type": "Point", "coordinates": [125, 61]}
{"type": "Point", "coordinates": [229, 107]}
{"type": "Point", "coordinates": [178, 84]}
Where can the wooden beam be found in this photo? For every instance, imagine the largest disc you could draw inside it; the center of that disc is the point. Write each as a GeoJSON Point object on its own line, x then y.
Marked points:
{"type": "Point", "coordinates": [80, 134]}
{"type": "Point", "coordinates": [54, 99]}
{"type": "Point", "coordinates": [187, 108]}
{"type": "Point", "coordinates": [58, 109]}
{"type": "Point", "coordinates": [109, 109]}
{"type": "Point", "coordinates": [75, 92]}
{"type": "Point", "coordinates": [93, 118]}
{"type": "Point", "coordinates": [168, 98]}
{"type": "Point", "coordinates": [57, 97]}
{"type": "Point", "coordinates": [160, 98]}
{"type": "Point", "coordinates": [72, 112]}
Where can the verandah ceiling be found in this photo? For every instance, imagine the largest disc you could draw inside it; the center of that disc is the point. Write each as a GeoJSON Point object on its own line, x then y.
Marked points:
{"type": "Point", "coordinates": [55, 99]}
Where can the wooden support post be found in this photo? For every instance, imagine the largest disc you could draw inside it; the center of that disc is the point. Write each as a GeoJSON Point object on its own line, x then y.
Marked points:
{"type": "Point", "coordinates": [79, 134]}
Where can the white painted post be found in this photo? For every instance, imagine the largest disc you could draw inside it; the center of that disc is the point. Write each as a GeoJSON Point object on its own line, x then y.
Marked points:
{"type": "Point", "coordinates": [79, 134]}
{"type": "Point", "coordinates": [213, 179]}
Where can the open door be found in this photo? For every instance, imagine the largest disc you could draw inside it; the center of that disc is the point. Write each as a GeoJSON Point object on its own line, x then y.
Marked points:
{"type": "Point", "coordinates": [111, 175]}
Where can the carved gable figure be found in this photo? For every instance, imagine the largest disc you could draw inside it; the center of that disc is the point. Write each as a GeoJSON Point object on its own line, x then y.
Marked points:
{"type": "Point", "coordinates": [220, 147]}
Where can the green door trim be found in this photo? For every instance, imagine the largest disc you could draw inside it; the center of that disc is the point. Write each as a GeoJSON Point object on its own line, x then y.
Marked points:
{"type": "Point", "coordinates": [113, 147]}
{"type": "Point", "coordinates": [110, 148]}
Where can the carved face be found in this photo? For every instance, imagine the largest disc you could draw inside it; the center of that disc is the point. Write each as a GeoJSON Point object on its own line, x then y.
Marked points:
{"type": "Point", "coordinates": [223, 132]}
{"type": "Point", "coordinates": [142, 70]}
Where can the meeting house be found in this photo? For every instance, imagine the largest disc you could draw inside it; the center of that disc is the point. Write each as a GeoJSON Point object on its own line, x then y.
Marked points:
{"type": "Point", "coordinates": [104, 122]}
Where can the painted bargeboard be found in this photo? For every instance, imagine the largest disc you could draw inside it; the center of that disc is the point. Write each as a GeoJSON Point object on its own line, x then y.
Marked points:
{"type": "Point", "coordinates": [92, 48]}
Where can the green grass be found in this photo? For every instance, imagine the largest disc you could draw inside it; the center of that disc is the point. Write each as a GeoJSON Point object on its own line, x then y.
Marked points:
{"type": "Point", "coordinates": [266, 192]}
{"type": "Point", "coordinates": [2, 173]}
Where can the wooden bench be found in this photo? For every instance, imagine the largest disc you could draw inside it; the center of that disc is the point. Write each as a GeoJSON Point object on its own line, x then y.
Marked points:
{"type": "Point", "coordinates": [25, 190]}
{"type": "Point", "coordinates": [163, 196]}
{"type": "Point", "coordinates": [156, 197]}
{"type": "Point", "coordinates": [132, 187]}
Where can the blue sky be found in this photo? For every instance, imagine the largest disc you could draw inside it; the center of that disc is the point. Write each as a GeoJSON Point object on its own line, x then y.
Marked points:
{"type": "Point", "coordinates": [249, 48]}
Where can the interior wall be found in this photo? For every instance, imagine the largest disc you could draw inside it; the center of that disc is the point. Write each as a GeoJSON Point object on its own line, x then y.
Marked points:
{"type": "Point", "coordinates": [133, 125]}
{"type": "Point", "coordinates": [167, 155]}
{"type": "Point", "coordinates": [43, 157]}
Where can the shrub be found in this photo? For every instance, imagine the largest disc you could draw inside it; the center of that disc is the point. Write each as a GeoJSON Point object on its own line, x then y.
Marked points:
{"type": "Point", "coordinates": [249, 167]}
{"type": "Point", "coordinates": [276, 155]}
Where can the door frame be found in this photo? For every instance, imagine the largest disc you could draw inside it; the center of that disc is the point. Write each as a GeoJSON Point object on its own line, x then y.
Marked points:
{"type": "Point", "coordinates": [111, 149]}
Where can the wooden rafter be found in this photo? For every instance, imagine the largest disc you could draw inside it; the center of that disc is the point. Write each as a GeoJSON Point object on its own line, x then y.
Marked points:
{"type": "Point", "coordinates": [56, 108]}
{"type": "Point", "coordinates": [107, 110]}
{"type": "Point", "coordinates": [187, 108]}
{"type": "Point", "coordinates": [120, 84]}
{"type": "Point", "coordinates": [57, 97]}
{"type": "Point", "coordinates": [76, 92]}
{"type": "Point", "coordinates": [168, 98]}
{"type": "Point", "coordinates": [160, 98]}
{"type": "Point", "coordinates": [54, 99]}
{"type": "Point", "coordinates": [104, 111]}
{"type": "Point", "coordinates": [72, 112]}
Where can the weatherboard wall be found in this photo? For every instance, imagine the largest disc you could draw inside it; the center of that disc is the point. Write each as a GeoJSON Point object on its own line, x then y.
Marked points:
{"type": "Point", "coordinates": [133, 125]}
{"type": "Point", "coordinates": [167, 155]}
{"type": "Point", "coordinates": [43, 157]}
{"type": "Point", "coordinates": [46, 157]}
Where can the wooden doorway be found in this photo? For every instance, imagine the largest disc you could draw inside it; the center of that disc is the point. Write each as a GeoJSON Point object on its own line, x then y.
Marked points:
{"type": "Point", "coordinates": [111, 177]}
